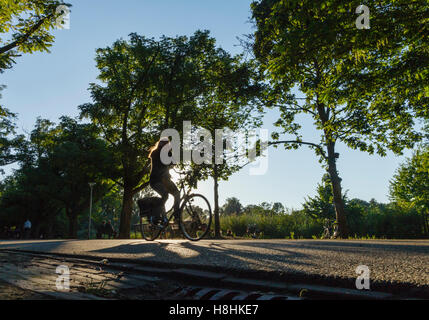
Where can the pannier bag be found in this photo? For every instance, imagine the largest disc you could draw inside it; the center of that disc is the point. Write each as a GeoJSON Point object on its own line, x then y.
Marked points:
{"type": "Point", "coordinates": [151, 207]}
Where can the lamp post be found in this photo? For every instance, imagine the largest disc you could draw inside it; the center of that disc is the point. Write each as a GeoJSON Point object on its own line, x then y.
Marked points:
{"type": "Point", "coordinates": [91, 185]}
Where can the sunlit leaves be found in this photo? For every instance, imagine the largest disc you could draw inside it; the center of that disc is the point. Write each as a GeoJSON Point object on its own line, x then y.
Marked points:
{"type": "Point", "coordinates": [26, 27]}
{"type": "Point", "coordinates": [370, 83]}
{"type": "Point", "coordinates": [410, 184]}
{"type": "Point", "coordinates": [9, 142]}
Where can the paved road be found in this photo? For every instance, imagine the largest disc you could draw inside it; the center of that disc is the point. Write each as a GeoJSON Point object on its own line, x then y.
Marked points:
{"type": "Point", "coordinates": [32, 276]}
{"type": "Point", "coordinates": [41, 276]}
{"type": "Point", "coordinates": [393, 264]}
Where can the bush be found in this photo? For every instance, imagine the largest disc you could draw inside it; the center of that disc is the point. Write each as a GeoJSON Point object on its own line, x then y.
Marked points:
{"type": "Point", "coordinates": [376, 221]}
{"type": "Point", "coordinates": [272, 226]}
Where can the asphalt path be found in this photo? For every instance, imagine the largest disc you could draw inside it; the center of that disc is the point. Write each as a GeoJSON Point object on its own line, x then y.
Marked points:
{"type": "Point", "coordinates": [393, 264]}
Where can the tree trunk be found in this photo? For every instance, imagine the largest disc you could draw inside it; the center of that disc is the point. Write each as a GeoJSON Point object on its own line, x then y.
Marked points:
{"type": "Point", "coordinates": [49, 230]}
{"type": "Point", "coordinates": [72, 224]}
{"type": "Point", "coordinates": [425, 224]}
{"type": "Point", "coordinates": [216, 204]}
{"type": "Point", "coordinates": [35, 233]}
{"type": "Point", "coordinates": [337, 193]}
{"type": "Point", "coordinates": [127, 207]}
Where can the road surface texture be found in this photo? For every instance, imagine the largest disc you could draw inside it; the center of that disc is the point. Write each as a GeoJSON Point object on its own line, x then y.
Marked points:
{"type": "Point", "coordinates": [35, 277]}
{"type": "Point", "coordinates": [38, 276]}
{"type": "Point", "coordinates": [400, 267]}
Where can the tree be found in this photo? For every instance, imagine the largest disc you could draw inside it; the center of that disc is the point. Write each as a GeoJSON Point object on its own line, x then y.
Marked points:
{"type": "Point", "coordinates": [232, 206]}
{"type": "Point", "coordinates": [25, 197]}
{"type": "Point", "coordinates": [409, 187]}
{"type": "Point", "coordinates": [230, 104]}
{"type": "Point", "coordinates": [265, 207]}
{"type": "Point", "coordinates": [314, 46]}
{"type": "Point", "coordinates": [400, 31]}
{"type": "Point", "coordinates": [278, 208]}
{"type": "Point", "coordinates": [321, 206]}
{"type": "Point", "coordinates": [58, 162]}
{"type": "Point", "coordinates": [25, 193]}
{"type": "Point", "coordinates": [8, 144]}
{"type": "Point", "coordinates": [26, 27]}
{"type": "Point", "coordinates": [147, 86]}
{"type": "Point", "coordinates": [78, 158]}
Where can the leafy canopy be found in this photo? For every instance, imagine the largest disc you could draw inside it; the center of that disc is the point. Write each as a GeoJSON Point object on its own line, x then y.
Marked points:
{"type": "Point", "coordinates": [147, 86]}
{"type": "Point", "coordinates": [410, 184]}
{"type": "Point", "coordinates": [26, 27]}
{"type": "Point", "coordinates": [230, 103]}
{"type": "Point", "coordinates": [321, 205]}
{"type": "Point", "coordinates": [346, 75]}
{"type": "Point", "coordinates": [9, 141]}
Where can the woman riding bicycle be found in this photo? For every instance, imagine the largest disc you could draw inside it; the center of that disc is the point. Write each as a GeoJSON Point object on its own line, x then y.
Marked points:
{"type": "Point", "coordinates": [192, 212]}
{"type": "Point", "coordinates": [160, 179]}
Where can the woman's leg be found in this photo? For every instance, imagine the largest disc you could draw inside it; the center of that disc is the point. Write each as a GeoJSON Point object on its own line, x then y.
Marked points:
{"type": "Point", "coordinates": [159, 187]}
{"type": "Point", "coordinates": [171, 188]}
{"type": "Point", "coordinates": [166, 187]}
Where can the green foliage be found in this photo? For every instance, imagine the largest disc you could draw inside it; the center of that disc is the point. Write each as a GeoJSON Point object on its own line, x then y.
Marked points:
{"type": "Point", "coordinates": [410, 184]}
{"type": "Point", "coordinates": [229, 102]}
{"type": "Point", "coordinates": [321, 206]}
{"type": "Point", "coordinates": [384, 221]}
{"type": "Point", "coordinates": [24, 197]}
{"type": "Point", "coordinates": [316, 47]}
{"type": "Point", "coordinates": [366, 221]}
{"type": "Point", "coordinates": [409, 187]}
{"type": "Point", "coordinates": [25, 27]}
{"type": "Point", "coordinates": [232, 206]}
{"type": "Point", "coordinates": [9, 141]}
{"type": "Point", "coordinates": [278, 208]}
{"type": "Point", "coordinates": [266, 208]}
{"type": "Point", "coordinates": [272, 226]}
{"type": "Point", "coordinates": [147, 86]}
{"type": "Point", "coordinates": [345, 75]}
{"type": "Point", "coordinates": [57, 163]}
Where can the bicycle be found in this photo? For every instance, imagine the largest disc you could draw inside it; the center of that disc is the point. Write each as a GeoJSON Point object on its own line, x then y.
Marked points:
{"type": "Point", "coordinates": [327, 227]}
{"type": "Point", "coordinates": [330, 229]}
{"type": "Point", "coordinates": [194, 220]}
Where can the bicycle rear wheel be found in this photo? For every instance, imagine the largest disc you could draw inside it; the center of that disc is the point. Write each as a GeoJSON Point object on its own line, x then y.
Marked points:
{"type": "Point", "coordinates": [149, 231]}
{"type": "Point", "coordinates": [195, 217]}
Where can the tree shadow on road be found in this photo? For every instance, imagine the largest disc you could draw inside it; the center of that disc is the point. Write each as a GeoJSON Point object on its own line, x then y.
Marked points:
{"type": "Point", "coordinates": [340, 245]}
{"type": "Point", "coordinates": [214, 256]}
{"type": "Point", "coordinates": [33, 245]}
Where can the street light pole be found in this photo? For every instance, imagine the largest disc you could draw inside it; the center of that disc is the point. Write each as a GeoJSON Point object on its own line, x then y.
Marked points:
{"type": "Point", "coordinates": [91, 185]}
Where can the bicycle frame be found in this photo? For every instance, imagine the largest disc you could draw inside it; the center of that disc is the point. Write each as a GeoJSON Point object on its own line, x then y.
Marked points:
{"type": "Point", "coordinates": [185, 197]}
{"type": "Point", "coordinates": [182, 203]}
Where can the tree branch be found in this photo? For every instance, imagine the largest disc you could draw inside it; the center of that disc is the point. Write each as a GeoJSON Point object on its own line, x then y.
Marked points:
{"type": "Point", "coordinates": [24, 38]}
{"type": "Point", "coordinates": [117, 182]}
{"type": "Point", "coordinates": [318, 147]}
{"type": "Point", "coordinates": [140, 188]}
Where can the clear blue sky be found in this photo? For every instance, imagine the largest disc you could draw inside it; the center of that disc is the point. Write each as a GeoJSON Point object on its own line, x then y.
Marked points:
{"type": "Point", "coordinates": [51, 85]}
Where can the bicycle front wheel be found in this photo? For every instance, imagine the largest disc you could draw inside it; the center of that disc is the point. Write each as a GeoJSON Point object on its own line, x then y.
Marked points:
{"type": "Point", "coordinates": [149, 231]}
{"type": "Point", "coordinates": [196, 217]}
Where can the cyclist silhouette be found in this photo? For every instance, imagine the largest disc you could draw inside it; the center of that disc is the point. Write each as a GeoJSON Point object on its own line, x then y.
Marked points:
{"type": "Point", "coordinates": [160, 179]}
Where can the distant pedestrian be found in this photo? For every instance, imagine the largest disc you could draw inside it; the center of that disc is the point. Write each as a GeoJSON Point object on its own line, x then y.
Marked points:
{"type": "Point", "coordinates": [27, 229]}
